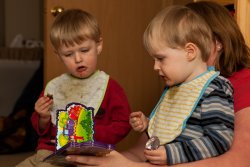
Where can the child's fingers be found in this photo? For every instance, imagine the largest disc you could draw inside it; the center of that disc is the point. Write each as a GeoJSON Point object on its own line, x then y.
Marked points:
{"type": "Point", "coordinates": [153, 158]}
{"type": "Point", "coordinates": [135, 114]}
{"type": "Point", "coordinates": [156, 162]}
{"type": "Point", "coordinates": [136, 125]}
{"type": "Point", "coordinates": [41, 101]}
{"type": "Point", "coordinates": [157, 156]}
{"type": "Point", "coordinates": [135, 118]}
{"type": "Point", "coordinates": [53, 141]}
{"type": "Point", "coordinates": [43, 106]}
{"type": "Point", "coordinates": [151, 153]}
{"type": "Point", "coordinates": [139, 128]}
{"type": "Point", "coordinates": [135, 122]}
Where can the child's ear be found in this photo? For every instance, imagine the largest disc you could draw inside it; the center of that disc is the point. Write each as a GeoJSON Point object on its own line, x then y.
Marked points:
{"type": "Point", "coordinates": [99, 46]}
{"type": "Point", "coordinates": [191, 50]}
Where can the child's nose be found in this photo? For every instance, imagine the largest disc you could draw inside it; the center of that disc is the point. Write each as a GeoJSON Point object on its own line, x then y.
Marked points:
{"type": "Point", "coordinates": [156, 66]}
{"type": "Point", "coordinates": [78, 58]}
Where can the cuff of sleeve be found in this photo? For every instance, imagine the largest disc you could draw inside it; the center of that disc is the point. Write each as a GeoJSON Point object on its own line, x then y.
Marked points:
{"type": "Point", "coordinates": [45, 131]}
{"type": "Point", "coordinates": [175, 154]}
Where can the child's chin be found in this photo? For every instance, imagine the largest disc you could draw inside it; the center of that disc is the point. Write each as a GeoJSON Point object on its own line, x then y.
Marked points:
{"type": "Point", "coordinates": [169, 84]}
{"type": "Point", "coordinates": [83, 76]}
{"type": "Point", "coordinates": [80, 76]}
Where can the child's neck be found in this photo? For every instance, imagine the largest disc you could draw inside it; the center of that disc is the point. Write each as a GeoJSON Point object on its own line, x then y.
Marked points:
{"type": "Point", "coordinates": [197, 71]}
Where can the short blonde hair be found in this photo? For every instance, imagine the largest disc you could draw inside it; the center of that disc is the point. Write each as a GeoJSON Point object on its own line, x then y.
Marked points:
{"type": "Point", "coordinates": [74, 26]}
{"type": "Point", "coordinates": [235, 52]}
{"type": "Point", "coordinates": [174, 27]}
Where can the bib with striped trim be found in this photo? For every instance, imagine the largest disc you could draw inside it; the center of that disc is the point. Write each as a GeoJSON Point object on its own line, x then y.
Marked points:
{"type": "Point", "coordinates": [176, 105]}
{"type": "Point", "coordinates": [68, 89]}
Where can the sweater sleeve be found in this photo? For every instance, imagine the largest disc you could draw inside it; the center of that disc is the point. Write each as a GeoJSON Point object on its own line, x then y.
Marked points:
{"type": "Point", "coordinates": [211, 133]}
{"type": "Point", "coordinates": [112, 119]}
{"type": "Point", "coordinates": [241, 84]}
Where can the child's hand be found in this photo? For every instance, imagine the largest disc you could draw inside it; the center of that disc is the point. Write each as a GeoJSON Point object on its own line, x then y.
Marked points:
{"type": "Point", "coordinates": [42, 106]}
{"type": "Point", "coordinates": [138, 121]}
{"type": "Point", "coordinates": [158, 156]}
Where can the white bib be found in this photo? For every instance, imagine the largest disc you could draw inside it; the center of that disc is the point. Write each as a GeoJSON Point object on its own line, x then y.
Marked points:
{"type": "Point", "coordinates": [68, 89]}
{"type": "Point", "coordinates": [176, 105]}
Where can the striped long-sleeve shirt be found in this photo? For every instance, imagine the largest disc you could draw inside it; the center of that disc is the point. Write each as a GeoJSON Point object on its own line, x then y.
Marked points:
{"type": "Point", "coordinates": [209, 130]}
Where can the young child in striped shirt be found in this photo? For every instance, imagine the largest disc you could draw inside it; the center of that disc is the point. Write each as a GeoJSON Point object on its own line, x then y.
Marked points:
{"type": "Point", "coordinates": [194, 118]}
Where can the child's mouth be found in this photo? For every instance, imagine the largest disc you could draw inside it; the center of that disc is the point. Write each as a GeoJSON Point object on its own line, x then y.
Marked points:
{"type": "Point", "coordinates": [81, 68]}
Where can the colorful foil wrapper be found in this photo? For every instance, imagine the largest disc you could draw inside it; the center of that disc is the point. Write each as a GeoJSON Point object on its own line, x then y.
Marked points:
{"type": "Point", "coordinates": [75, 124]}
{"type": "Point", "coordinates": [153, 143]}
{"type": "Point", "coordinates": [75, 134]}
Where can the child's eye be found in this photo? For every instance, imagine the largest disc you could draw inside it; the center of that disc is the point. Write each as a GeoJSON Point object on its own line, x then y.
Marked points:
{"type": "Point", "coordinates": [67, 54]}
{"type": "Point", "coordinates": [159, 58]}
{"type": "Point", "coordinates": [84, 50]}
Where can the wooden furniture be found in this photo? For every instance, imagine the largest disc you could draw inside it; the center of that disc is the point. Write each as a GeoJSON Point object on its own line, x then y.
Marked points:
{"type": "Point", "coordinates": [242, 16]}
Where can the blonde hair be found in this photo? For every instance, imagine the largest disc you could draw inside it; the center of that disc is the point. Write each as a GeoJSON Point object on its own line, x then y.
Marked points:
{"type": "Point", "coordinates": [235, 54]}
{"type": "Point", "coordinates": [175, 26]}
{"type": "Point", "coordinates": [74, 26]}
